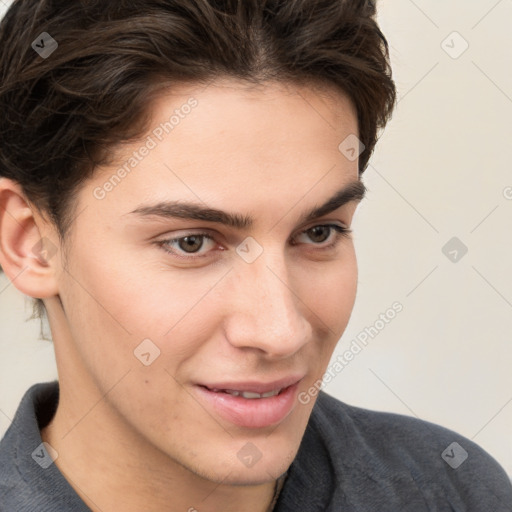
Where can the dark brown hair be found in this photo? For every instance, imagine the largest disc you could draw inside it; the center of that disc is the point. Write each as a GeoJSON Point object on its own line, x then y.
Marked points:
{"type": "Point", "coordinates": [61, 114]}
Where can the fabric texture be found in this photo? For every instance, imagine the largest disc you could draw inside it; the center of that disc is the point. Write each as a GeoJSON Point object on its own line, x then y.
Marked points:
{"type": "Point", "coordinates": [350, 460]}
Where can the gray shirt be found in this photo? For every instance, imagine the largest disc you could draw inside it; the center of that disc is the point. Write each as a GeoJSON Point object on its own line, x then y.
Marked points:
{"type": "Point", "coordinates": [350, 460]}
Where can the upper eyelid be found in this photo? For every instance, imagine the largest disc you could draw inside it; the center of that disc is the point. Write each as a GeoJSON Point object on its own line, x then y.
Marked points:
{"type": "Point", "coordinates": [212, 232]}
{"type": "Point", "coordinates": [206, 234]}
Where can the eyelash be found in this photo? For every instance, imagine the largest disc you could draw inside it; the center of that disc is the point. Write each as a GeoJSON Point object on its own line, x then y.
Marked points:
{"type": "Point", "coordinates": [340, 232]}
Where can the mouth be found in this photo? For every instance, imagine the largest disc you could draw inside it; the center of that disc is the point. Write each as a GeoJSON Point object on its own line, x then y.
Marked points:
{"type": "Point", "coordinates": [249, 395]}
{"type": "Point", "coordinates": [251, 404]}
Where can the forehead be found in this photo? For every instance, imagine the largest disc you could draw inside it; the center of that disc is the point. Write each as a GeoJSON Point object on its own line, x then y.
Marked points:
{"type": "Point", "coordinates": [289, 99]}
{"type": "Point", "coordinates": [237, 143]}
{"type": "Point", "coordinates": [230, 105]}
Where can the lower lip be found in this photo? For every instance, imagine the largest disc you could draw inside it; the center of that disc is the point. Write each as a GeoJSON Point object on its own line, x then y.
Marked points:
{"type": "Point", "coordinates": [251, 413]}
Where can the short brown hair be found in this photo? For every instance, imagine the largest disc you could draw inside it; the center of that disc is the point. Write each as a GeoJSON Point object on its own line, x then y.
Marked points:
{"type": "Point", "coordinates": [61, 114]}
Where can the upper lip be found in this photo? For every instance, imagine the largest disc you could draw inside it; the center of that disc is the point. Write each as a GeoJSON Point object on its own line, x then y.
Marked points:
{"type": "Point", "coordinates": [254, 386]}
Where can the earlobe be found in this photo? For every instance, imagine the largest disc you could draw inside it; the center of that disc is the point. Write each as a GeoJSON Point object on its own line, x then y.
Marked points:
{"type": "Point", "coordinates": [26, 246]}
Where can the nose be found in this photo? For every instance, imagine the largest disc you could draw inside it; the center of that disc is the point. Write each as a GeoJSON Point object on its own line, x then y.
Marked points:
{"type": "Point", "coordinates": [266, 312]}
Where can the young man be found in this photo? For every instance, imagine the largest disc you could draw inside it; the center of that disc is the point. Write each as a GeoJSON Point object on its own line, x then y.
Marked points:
{"type": "Point", "coordinates": [178, 181]}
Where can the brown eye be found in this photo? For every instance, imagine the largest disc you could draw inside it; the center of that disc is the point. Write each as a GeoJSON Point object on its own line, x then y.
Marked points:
{"type": "Point", "coordinates": [190, 244]}
{"type": "Point", "coordinates": [319, 234]}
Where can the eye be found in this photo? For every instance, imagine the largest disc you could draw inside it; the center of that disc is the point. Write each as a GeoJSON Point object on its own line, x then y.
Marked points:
{"type": "Point", "coordinates": [189, 246]}
{"type": "Point", "coordinates": [322, 233]}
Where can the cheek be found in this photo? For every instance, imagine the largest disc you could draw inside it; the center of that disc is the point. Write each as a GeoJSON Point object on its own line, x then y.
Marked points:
{"type": "Point", "coordinates": [116, 303]}
{"type": "Point", "coordinates": [330, 291]}
{"type": "Point", "coordinates": [332, 301]}
{"type": "Point", "coordinates": [137, 294]}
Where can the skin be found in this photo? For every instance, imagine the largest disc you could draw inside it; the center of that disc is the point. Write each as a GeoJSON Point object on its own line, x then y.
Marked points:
{"type": "Point", "coordinates": [133, 437]}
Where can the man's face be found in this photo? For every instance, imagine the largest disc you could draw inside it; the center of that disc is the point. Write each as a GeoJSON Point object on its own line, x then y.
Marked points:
{"type": "Point", "coordinates": [250, 307]}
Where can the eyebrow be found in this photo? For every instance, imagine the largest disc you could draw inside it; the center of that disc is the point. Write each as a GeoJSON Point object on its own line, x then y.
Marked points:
{"type": "Point", "coordinates": [353, 191]}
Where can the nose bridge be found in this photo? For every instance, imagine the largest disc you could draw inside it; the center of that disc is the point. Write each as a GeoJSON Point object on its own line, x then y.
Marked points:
{"type": "Point", "coordinates": [269, 308]}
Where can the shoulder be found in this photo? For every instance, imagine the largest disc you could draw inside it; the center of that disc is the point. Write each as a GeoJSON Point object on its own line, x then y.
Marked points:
{"type": "Point", "coordinates": [437, 459]}
{"type": "Point", "coordinates": [28, 478]}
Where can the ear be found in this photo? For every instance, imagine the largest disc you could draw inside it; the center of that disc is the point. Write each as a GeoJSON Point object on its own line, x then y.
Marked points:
{"type": "Point", "coordinates": [28, 245]}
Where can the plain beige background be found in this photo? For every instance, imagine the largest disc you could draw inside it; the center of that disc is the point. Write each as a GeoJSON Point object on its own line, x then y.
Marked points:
{"type": "Point", "coordinates": [442, 170]}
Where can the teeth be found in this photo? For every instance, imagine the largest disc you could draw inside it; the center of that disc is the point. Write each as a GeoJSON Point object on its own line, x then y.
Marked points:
{"type": "Point", "coordinates": [249, 394]}
{"type": "Point", "coordinates": [271, 393]}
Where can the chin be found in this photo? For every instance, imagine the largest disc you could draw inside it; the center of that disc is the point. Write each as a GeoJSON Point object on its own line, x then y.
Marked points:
{"type": "Point", "coordinates": [250, 476]}
{"type": "Point", "coordinates": [249, 472]}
